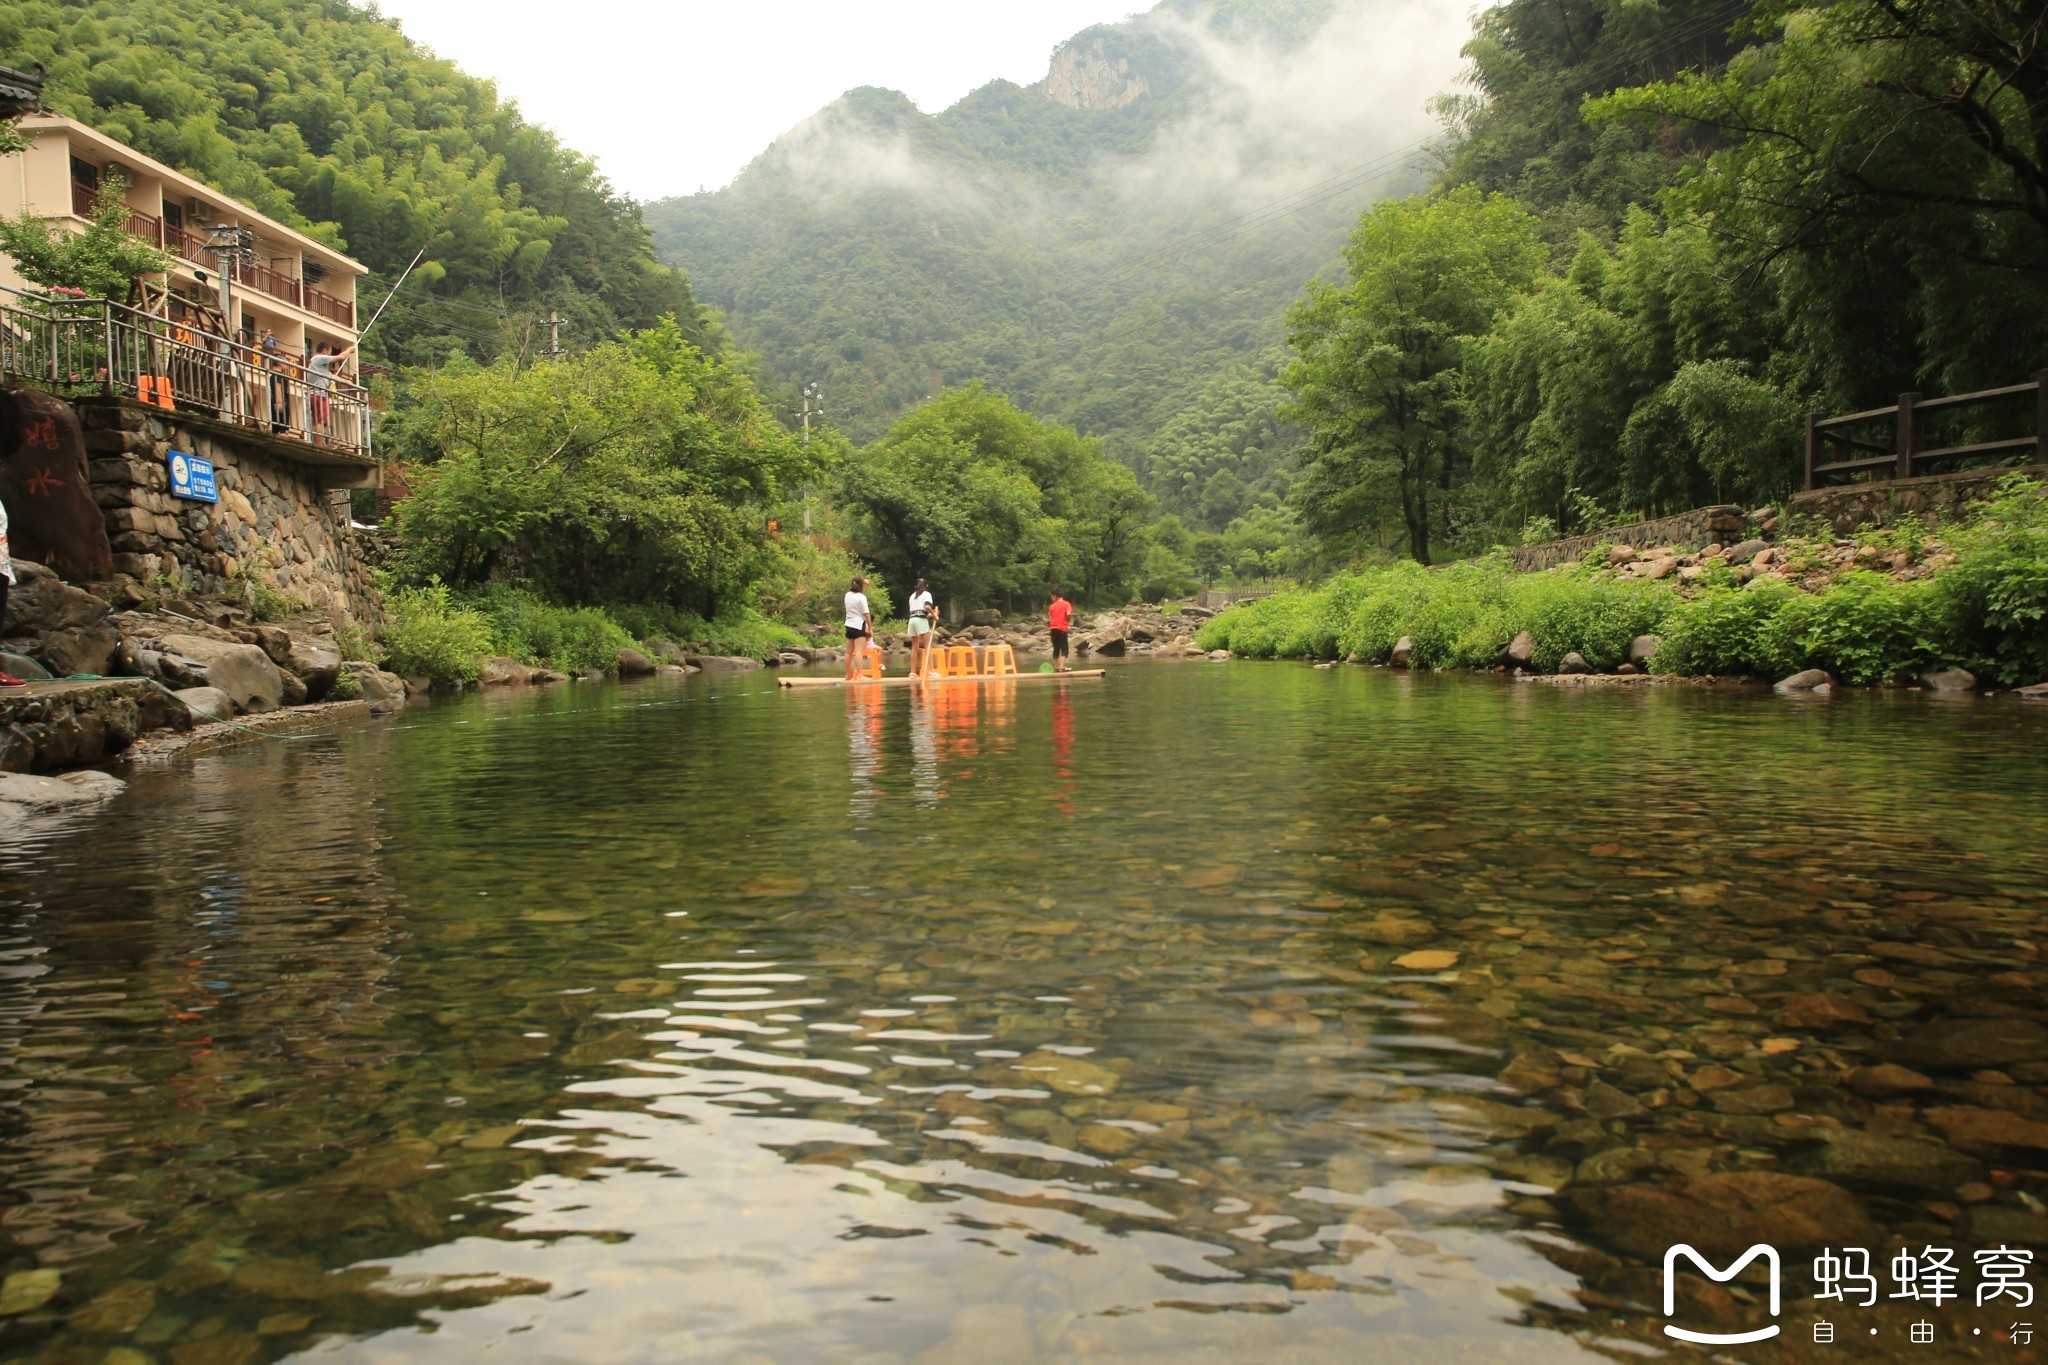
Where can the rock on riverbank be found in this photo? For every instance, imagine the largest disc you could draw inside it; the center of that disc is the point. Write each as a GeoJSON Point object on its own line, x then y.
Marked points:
{"type": "Point", "coordinates": [109, 663]}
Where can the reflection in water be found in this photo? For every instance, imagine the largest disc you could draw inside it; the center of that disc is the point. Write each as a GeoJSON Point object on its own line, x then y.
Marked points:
{"type": "Point", "coordinates": [1344, 1018]}
{"type": "Point", "coordinates": [1063, 752]}
{"type": "Point", "coordinates": [864, 750]}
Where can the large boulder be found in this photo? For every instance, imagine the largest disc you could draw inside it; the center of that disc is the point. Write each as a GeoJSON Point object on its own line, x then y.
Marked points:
{"type": "Point", "coordinates": [721, 663]}
{"type": "Point", "coordinates": [502, 671]}
{"type": "Point", "coordinates": [1807, 680]}
{"type": "Point", "coordinates": [385, 692]}
{"type": "Point", "coordinates": [1644, 648]}
{"type": "Point", "coordinates": [22, 667]}
{"type": "Point", "coordinates": [1521, 651]}
{"type": "Point", "coordinates": [47, 487]}
{"type": "Point", "coordinates": [1574, 663]}
{"type": "Point", "coordinates": [316, 666]}
{"type": "Point", "coordinates": [89, 651]}
{"type": "Point", "coordinates": [1744, 551]}
{"type": "Point", "coordinates": [1950, 680]}
{"type": "Point", "coordinates": [242, 671]}
{"type": "Point", "coordinates": [1404, 649]}
{"type": "Point", "coordinates": [634, 664]}
{"type": "Point", "coordinates": [987, 616]}
{"type": "Point", "coordinates": [47, 793]}
{"type": "Point", "coordinates": [207, 703]}
{"type": "Point", "coordinates": [41, 601]}
{"type": "Point", "coordinates": [63, 628]}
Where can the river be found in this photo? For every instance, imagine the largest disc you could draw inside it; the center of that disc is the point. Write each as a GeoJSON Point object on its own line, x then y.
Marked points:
{"type": "Point", "coordinates": [1206, 1012]}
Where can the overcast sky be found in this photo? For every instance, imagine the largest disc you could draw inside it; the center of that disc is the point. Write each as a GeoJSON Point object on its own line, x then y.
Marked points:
{"type": "Point", "coordinates": [680, 94]}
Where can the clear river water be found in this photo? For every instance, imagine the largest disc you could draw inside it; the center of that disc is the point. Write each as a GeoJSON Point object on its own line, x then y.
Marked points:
{"type": "Point", "coordinates": [1203, 1013]}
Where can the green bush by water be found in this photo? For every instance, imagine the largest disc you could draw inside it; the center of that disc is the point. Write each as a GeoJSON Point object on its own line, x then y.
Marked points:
{"type": "Point", "coordinates": [746, 633]}
{"type": "Point", "coordinates": [434, 633]}
{"type": "Point", "coordinates": [427, 634]}
{"type": "Point", "coordinates": [570, 639]}
{"type": "Point", "coordinates": [1987, 612]}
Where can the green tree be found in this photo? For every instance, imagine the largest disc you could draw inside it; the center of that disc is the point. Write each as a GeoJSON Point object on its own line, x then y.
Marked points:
{"type": "Point", "coordinates": [638, 472]}
{"type": "Point", "coordinates": [102, 262]}
{"type": "Point", "coordinates": [1883, 173]}
{"type": "Point", "coordinates": [992, 503]}
{"type": "Point", "coordinates": [1377, 376]}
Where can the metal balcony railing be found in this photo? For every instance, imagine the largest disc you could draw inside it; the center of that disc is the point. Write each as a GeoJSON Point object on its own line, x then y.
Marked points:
{"type": "Point", "coordinates": [192, 247]}
{"type": "Point", "coordinates": [79, 346]}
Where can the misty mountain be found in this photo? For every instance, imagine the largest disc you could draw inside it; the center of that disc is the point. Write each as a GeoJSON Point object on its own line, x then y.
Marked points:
{"type": "Point", "coordinates": [1104, 246]}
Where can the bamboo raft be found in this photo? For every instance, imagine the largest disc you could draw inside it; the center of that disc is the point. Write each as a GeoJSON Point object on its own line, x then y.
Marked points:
{"type": "Point", "coordinates": [938, 681]}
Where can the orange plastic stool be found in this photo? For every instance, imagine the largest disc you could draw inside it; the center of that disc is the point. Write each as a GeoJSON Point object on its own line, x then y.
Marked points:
{"type": "Point", "coordinates": [870, 667]}
{"type": "Point", "coordinates": [997, 660]}
{"type": "Point", "coordinates": [959, 662]}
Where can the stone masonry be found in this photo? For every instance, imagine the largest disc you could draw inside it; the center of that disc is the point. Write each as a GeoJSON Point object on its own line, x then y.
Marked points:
{"type": "Point", "coordinates": [277, 525]}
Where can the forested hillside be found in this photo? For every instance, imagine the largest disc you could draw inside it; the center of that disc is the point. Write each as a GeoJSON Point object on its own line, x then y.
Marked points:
{"type": "Point", "coordinates": [1666, 232]}
{"type": "Point", "coordinates": [326, 117]}
{"type": "Point", "coordinates": [1111, 247]}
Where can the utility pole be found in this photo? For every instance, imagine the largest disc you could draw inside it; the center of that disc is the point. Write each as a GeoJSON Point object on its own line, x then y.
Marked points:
{"type": "Point", "coordinates": [228, 244]}
{"type": "Point", "coordinates": [812, 393]}
{"type": "Point", "coordinates": [554, 335]}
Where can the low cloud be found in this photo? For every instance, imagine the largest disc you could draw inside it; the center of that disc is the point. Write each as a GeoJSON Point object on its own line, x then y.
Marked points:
{"type": "Point", "coordinates": [1283, 119]}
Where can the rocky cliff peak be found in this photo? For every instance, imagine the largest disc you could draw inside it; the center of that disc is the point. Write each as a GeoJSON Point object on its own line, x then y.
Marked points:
{"type": "Point", "coordinates": [1084, 75]}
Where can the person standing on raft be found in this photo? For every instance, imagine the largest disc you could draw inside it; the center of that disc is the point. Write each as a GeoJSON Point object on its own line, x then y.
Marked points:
{"type": "Point", "coordinates": [1060, 619]}
{"type": "Point", "coordinates": [924, 615]}
{"type": "Point", "coordinates": [860, 625]}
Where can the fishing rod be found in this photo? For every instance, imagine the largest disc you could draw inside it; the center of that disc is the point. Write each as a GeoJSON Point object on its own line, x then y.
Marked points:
{"type": "Point", "coordinates": [369, 426]}
{"type": "Point", "coordinates": [391, 294]}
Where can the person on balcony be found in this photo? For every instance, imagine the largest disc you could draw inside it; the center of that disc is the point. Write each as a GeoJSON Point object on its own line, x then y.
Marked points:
{"type": "Point", "coordinates": [321, 371]}
{"type": "Point", "coordinates": [280, 367]}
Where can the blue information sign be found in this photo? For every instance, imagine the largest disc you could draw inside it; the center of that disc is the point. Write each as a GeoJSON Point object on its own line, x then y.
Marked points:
{"type": "Point", "coordinates": [192, 477]}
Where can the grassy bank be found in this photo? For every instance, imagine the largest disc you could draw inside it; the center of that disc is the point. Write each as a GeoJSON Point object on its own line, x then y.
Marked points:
{"type": "Point", "coordinates": [1883, 606]}
{"type": "Point", "coordinates": [445, 636]}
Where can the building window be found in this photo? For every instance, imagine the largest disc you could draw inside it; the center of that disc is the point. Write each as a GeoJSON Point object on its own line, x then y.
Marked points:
{"type": "Point", "coordinates": [85, 173]}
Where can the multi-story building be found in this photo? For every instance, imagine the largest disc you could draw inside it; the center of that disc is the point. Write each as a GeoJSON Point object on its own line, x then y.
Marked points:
{"type": "Point", "coordinates": [285, 282]}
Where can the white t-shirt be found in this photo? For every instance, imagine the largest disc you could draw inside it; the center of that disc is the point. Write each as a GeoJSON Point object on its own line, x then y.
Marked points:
{"type": "Point", "coordinates": [921, 602]}
{"type": "Point", "coordinates": [856, 610]}
{"type": "Point", "coordinates": [6, 562]}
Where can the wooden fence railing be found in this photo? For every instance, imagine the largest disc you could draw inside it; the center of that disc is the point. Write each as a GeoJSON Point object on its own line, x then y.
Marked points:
{"type": "Point", "coordinates": [1904, 455]}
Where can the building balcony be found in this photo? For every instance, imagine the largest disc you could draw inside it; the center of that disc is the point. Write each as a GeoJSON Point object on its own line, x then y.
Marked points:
{"type": "Point", "coordinates": [78, 347]}
{"type": "Point", "coordinates": [191, 247]}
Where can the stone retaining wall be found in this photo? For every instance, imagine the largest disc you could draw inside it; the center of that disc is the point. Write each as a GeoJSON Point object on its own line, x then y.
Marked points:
{"type": "Point", "coordinates": [1933, 498]}
{"type": "Point", "coordinates": [1696, 529]}
{"type": "Point", "coordinates": [278, 525]}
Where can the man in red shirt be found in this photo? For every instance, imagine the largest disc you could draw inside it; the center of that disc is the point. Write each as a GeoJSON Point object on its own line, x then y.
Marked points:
{"type": "Point", "coordinates": [1061, 619]}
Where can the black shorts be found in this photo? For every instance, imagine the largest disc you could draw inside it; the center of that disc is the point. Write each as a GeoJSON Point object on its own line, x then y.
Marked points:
{"type": "Point", "coordinates": [1059, 644]}
{"type": "Point", "coordinates": [856, 632]}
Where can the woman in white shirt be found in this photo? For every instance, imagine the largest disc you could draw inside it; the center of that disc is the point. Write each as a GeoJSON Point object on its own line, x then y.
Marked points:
{"type": "Point", "coordinates": [924, 616]}
{"type": "Point", "coordinates": [860, 625]}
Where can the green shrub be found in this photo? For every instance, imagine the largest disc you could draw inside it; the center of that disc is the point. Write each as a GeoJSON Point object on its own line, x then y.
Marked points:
{"type": "Point", "coordinates": [426, 633]}
{"type": "Point", "coordinates": [1988, 612]}
{"type": "Point", "coordinates": [1867, 628]}
{"type": "Point", "coordinates": [1596, 616]}
{"type": "Point", "coordinates": [347, 686]}
{"type": "Point", "coordinates": [1726, 630]}
{"type": "Point", "coordinates": [571, 639]}
{"type": "Point", "coordinates": [746, 633]}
